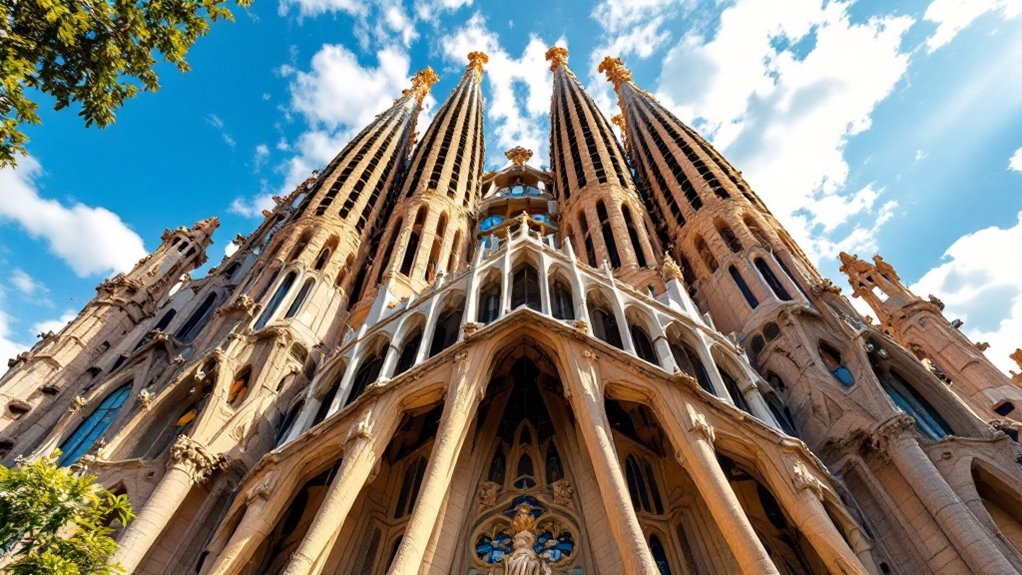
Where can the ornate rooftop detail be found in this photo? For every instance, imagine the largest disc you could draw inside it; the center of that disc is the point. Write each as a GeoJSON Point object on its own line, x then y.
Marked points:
{"type": "Point", "coordinates": [670, 270]}
{"type": "Point", "coordinates": [558, 56]}
{"type": "Point", "coordinates": [619, 121]}
{"type": "Point", "coordinates": [615, 70]}
{"type": "Point", "coordinates": [422, 81]}
{"type": "Point", "coordinates": [476, 61]}
{"type": "Point", "coordinates": [518, 155]}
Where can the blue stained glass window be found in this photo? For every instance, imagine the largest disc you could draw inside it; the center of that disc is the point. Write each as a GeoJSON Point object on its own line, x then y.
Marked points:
{"type": "Point", "coordinates": [490, 222]}
{"type": "Point", "coordinates": [541, 218]}
{"type": "Point", "coordinates": [493, 550]}
{"type": "Point", "coordinates": [89, 431]}
{"type": "Point", "coordinates": [554, 549]}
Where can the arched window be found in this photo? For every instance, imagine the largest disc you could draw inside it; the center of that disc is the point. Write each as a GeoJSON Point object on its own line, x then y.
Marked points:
{"type": "Point", "coordinates": [605, 326]}
{"type": "Point", "coordinates": [367, 373]}
{"type": "Point", "coordinates": [324, 255]}
{"type": "Point", "coordinates": [489, 303]}
{"type": "Point", "coordinates": [608, 235]}
{"type": "Point", "coordinates": [446, 331]}
{"type": "Point", "coordinates": [757, 344]}
{"type": "Point", "coordinates": [274, 303]}
{"type": "Point", "coordinates": [835, 364]}
{"type": "Point", "coordinates": [781, 413]}
{"type": "Point", "coordinates": [89, 431]}
{"type": "Point", "coordinates": [583, 228]}
{"type": "Point", "coordinates": [756, 231]}
{"type": "Point", "coordinates": [525, 473]}
{"type": "Point", "coordinates": [561, 302]}
{"type": "Point", "coordinates": [355, 295]}
{"type": "Point", "coordinates": [300, 246]}
{"type": "Point", "coordinates": [434, 253]}
{"type": "Point", "coordinates": [165, 320]}
{"type": "Point", "coordinates": [732, 388]}
{"type": "Point", "coordinates": [300, 298]}
{"type": "Point", "coordinates": [688, 361]}
{"type": "Point", "coordinates": [525, 288]}
{"type": "Point", "coordinates": [750, 298]}
{"type": "Point", "coordinates": [729, 238]}
{"type": "Point", "coordinates": [387, 249]}
{"type": "Point", "coordinates": [410, 487]}
{"type": "Point", "coordinates": [326, 401]}
{"type": "Point", "coordinates": [771, 331]}
{"type": "Point", "coordinates": [643, 345]}
{"type": "Point", "coordinates": [197, 320]}
{"type": "Point", "coordinates": [452, 259]}
{"type": "Point", "coordinates": [642, 486]}
{"type": "Point", "coordinates": [928, 421]}
{"type": "Point", "coordinates": [288, 422]}
{"type": "Point", "coordinates": [409, 351]}
{"type": "Point", "coordinates": [239, 388]}
{"type": "Point", "coordinates": [412, 246]}
{"type": "Point", "coordinates": [633, 235]}
{"type": "Point", "coordinates": [768, 275]}
{"type": "Point", "coordinates": [705, 254]}
{"type": "Point", "coordinates": [656, 548]}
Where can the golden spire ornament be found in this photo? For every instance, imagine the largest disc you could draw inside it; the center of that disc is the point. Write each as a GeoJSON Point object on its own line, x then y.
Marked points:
{"type": "Point", "coordinates": [476, 61]}
{"type": "Point", "coordinates": [518, 155]}
{"type": "Point", "coordinates": [422, 81]}
{"type": "Point", "coordinates": [558, 56]}
{"type": "Point", "coordinates": [615, 70]}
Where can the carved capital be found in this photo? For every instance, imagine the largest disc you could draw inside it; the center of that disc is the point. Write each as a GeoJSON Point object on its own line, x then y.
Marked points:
{"type": "Point", "coordinates": [804, 480]}
{"type": "Point", "coordinates": [195, 458]}
{"type": "Point", "coordinates": [701, 426]}
{"type": "Point", "coordinates": [670, 270]}
{"type": "Point", "coordinates": [590, 355]}
{"type": "Point", "coordinates": [888, 431]}
{"type": "Point", "coordinates": [470, 328]}
{"type": "Point", "coordinates": [563, 492]}
{"type": "Point", "coordinates": [360, 430]}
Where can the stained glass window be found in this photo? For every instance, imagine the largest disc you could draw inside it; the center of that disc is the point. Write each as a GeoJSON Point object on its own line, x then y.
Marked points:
{"type": "Point", "coordinates": [89, 431]}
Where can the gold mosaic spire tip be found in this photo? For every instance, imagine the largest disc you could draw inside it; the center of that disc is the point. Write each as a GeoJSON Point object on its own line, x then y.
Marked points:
{"type": "Point", "coordinates": [476, 61]}
{"type": "Point", "coordinates": [615, 70]}
{"type": "Point", "coordinates": [518, 155]}
{"type": "Point", "coordinates": [558, 56]}
{"type": "Point", "coordinates": [422, 81]}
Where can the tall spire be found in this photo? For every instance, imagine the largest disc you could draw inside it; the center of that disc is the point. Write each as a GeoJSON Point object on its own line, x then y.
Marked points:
{"type": "Point", "coordinates": [430, 225]}
{"type": "Point", "coordinates": [600, 206]}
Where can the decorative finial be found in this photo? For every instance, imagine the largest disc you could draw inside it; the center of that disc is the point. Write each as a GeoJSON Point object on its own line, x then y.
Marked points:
{"type": "Point", "coordinates": [615, 70]}
{"type": "Point", "coordinates": [422, 81]}
{"type": "Point", "coordinates": [523, 519]}
{"type": "Point", "coordinates": [476, 61]}
{"type": "Point", "coordinates": [619, 121]}
{"type": "Point", "coordinates": [671, 270]}
{"type": "Point", "coordinates": [518, 155]}
{"type": "Point", "coordinates": [558, 56]}
{"type": "Point", "coordinates": [1017, 356]}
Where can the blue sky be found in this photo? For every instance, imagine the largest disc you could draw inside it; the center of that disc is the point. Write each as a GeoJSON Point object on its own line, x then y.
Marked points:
{"type": "Point", "coordinates": [890, 126]}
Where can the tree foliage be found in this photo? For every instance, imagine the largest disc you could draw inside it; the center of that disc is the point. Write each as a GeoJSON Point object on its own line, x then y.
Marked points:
{"type": "Point", "coordinates": [96, 53]}
{"type": "Point", "coordinates": [54, 521]}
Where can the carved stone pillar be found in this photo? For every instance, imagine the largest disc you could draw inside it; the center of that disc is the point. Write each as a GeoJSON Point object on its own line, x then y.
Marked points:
{"type": "Point", "coordinates": [974, 543]}
{"type": "Point", "coordinates": [252, 531]}
{"type": "Point", "coordinates": [586, 398]}
{"type": "Point", "coordinates": [463, 397]}
{"type": "Point", "coordinates": [692, 437]}
{"type": "Point", "coordinates": [191, 463]}
{"type": "Point", "coordinates": [360, 451]}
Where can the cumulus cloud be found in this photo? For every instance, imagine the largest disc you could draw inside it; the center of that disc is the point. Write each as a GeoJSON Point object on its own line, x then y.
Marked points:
{"type": "Point", "coordinates": [980, 282]}
{"type": "Point", "coordinates": [262, 151]}
{"type": "Point", "coordinates": [953, 16]}
{"type": "Point", "coordinates": [781, 88]}
{"type": "Point", "coordinates": [1015, 162]}
{"type": "Point", "coordinates": [25, 283]}
{"type": "Point", "coordinates": [517, 89]}
{"type": "Point", "coordinates": [90, 240]}
{"type": "Point", "coordinates": [54, 325]}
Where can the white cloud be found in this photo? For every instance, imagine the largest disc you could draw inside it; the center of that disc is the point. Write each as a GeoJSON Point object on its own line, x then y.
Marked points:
{"type": "Point", "coordinates": [317, 7]}
{"type": "Point", "coordinates": [89, 239]}
{"type": "Point", "coordinates": [782, 87]}
{"type": "Point", "coordinates": [517, 89]}
{"type": "Point", "coordinates": [980, 281]}
{"type": "Point", "coordinates": [54, 325]}
{"type": "Point", "coordinates": [617, 16]}
{"type": "Point", "coordinates": [1015, 162]}
{"type": "Point", "coordinates": [25, 283]}
{"type": "Point", "coordinates": [9, 348]}
{"type": "Point", "coordinates": [262, 151]}
{"type": "Point", "coordinates": [218, 125]}
{"type": "Point", "coordinates": [953, 16]}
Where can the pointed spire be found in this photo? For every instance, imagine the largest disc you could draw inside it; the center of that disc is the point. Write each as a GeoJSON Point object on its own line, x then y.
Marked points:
{"type": "Point", "coordinates": [422, 81]}
{"type": "Point", "coordinates": [615, 70]}
{"type": "Point", "coordinates": [476, 61]}
{"type": "Point", "coordinates": [558, 57]}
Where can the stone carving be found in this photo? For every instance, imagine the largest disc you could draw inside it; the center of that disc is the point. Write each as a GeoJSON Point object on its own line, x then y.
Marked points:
{"type": "Point", "coordinates": [670, 270]}
{"type": "Point", "coordinates": [805, 480]}
{"type": "Point", "coordinates": [701, 426]}
{"type": "Point", "coordinates": [563, 492]}
{"type": "Point", "coordinates": [361, 429]}
{"type": "Point", "coordinates": [523, 559]}
{"type": "Point", "coordinates": [558, 56]}
{"type": "Point", "coordinates": [145, 399]}
{"type": "Point", "coordinates": [487, 496]}
{"type": "Point", "coordinates": [518, 155]}
{"type": "Point", "coordinates": [77, 403]}
{"type": "Point", "coordinates": [422, 81]}
{"type": "Point", "coordinates": [476, 61]}
{"type": "Point", "coordinates": [470, 329]}
{"type": "Point", "coordinates": [195, 458]}
{"type": "Point", "coordinates": [616, 71]}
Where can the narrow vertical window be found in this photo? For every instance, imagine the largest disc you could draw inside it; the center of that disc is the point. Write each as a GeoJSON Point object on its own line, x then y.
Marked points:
{"type": "Point", "coordinates": [562, 304]}
{"type": "Point", "coordinates": [750, 298]}
{"type": "Point", "coordinates": [489, 303]}
{"type": "Point", "coordinates": [303, 293]}
{"type": "Point", "coordinates": [605, 327]}
{"type": "Point", "coordinates": [643, 345]}
{"type": "Point", "coordinates": [327, 401]}
{"type": "Point", "coordinates": [768, 275]}
{"type": "Point", "coordinates": [633, 235]}
{"type": "Point", "coordinates": [608, 235]}
{"type": "Point", "coordinates": [525, 288]}
{"type": "Point", "coordinates": [387, 249]}
{"type": "Point", "coordinates": [729, 238]}
{"type": "Point", "coordinates": [197, 320]}
{"type": "Point", "coordinates": [445, 333]}
{"type": "Point", "coordinates": [367, 373]}
{"type": "Point", "coordinates": [274, 303]}
{"type": "Point", "coordinates": [89, 431]}
{"type": "Point", "coordinates": [656, 548]}
{"type": "Point", "coordinates": [732, 388]}
{"type": "Point", "coordinates": [409, 351]}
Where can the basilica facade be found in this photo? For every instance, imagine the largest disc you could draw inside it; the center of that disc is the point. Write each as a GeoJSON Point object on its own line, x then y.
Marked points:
{"type": "Point", "coordinates": [620, 364]}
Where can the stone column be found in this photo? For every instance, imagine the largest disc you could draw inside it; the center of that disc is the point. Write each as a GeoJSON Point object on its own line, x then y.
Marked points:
{"type": "Point", "coordinates": [692, 437]}
{"type": "Point", "coordinates": [969, 537]}
{"type": "Point", "coordinates": [191, 463]}
{"type": "Point", "coordinates": [815, 524]}
{"type": "Point", "coordinates": [586, 398]}
{"type": "Point", "coordinates": [254, 528]}
{"type": "Point", "coordinates": [463, 397]}
{"type": "Point", "coordinates": [360, 452]}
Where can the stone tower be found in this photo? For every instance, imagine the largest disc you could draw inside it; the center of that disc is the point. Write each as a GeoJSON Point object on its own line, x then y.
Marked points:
{"type": "Point", "coordinates": [413, 366]}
